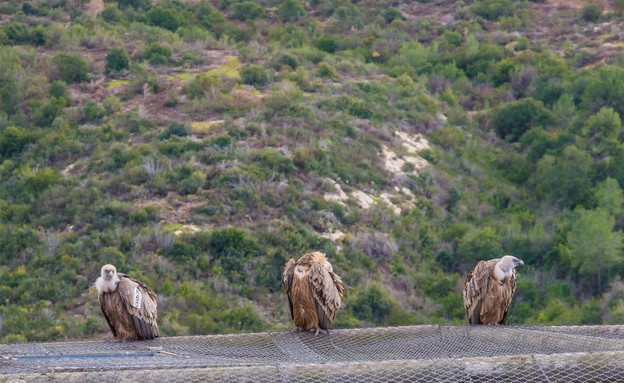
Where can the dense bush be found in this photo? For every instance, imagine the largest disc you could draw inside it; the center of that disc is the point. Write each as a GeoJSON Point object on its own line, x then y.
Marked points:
{"type": "Point", "coordinates": [591, 12]}
{"type": "Point", "coordinates": [254, 75]}
{"type": "Point", "coordinates": [157, 54]}
{"type": "Point", "coordinates": [69, 68]}
{"type": "Point", "coordinates": [247, 10]}
{"type": "Point", "coordinates": [492, 9]}
{"type": "Point", "coordinates": [290, 10]}
{"type": "Point", "coordinates": [19, 33]}
{"type": "Point", "coordinates": [164, 17]}
{"type": "Point", "coordinates": [117, 60]}
{"type": "Point", "coordinates": [511, 120]}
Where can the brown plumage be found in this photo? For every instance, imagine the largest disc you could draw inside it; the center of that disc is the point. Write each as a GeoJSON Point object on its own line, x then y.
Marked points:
{"type": "Point", "coordinates": [488, 290]}
{"type": "Point", "coordinates": [313, 290]}
{"type": "Point", "coordinates": [129, 306]}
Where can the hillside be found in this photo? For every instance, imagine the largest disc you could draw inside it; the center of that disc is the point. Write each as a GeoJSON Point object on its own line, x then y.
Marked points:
{"type": "Point", "coordinates": [197, 145]}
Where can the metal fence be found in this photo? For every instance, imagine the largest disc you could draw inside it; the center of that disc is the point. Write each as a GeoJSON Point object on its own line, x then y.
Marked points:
{"type": "Point", "coordinates": [392, 354]}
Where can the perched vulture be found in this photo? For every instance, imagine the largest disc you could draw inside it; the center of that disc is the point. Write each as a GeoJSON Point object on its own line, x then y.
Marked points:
{"type": "Point", "coordinates": [129, 306]}
{"type": "Point", "coordinates": [313, 291]}
{"type": "Point", "coordinates": [488, 290]}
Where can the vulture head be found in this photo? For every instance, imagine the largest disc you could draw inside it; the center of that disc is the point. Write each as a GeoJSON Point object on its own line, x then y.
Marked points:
{"type": "Point", "coordinates": [108, 279]}
{"type": "Point", "coordinates": [504, 268]}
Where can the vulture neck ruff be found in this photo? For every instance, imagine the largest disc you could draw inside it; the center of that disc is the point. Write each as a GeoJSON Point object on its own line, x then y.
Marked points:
{"type": "Point", "coordinates": [107, 286]}
{"type": "Point", "coordinates": [503, 270]}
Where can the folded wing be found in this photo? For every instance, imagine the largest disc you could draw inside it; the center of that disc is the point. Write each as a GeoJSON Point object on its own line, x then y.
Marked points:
{"type": "Point", "coordinates": [327, 288]}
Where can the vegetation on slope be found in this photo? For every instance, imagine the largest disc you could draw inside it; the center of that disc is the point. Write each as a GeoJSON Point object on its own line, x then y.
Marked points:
{"type": "Point", "coordinates": [197, 145]}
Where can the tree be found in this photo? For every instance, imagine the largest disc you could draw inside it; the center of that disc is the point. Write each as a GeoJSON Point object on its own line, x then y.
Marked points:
{"type": "Point", "coordinates": [478, 245]}
{"type": "Point", "coordinates": [602, 87]}
{"type": "Point", "coordinates": [609, 196]}
{"type": "Point", "coordinates": [602, 131]}
{"type": "Point", "coordinates": [595, 246]}
{"type": "Point", "coordinates": [563, 180]}
{"type": "Point", "coordinates": [12, 78]}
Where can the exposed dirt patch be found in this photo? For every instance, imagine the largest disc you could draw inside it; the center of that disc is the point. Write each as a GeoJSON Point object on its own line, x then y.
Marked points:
{"type": "Point", "coordinates": [94, 8]}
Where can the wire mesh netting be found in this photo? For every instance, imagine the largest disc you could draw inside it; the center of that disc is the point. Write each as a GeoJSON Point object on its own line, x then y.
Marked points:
{"type": "Point", "coordinates": [394, 354]}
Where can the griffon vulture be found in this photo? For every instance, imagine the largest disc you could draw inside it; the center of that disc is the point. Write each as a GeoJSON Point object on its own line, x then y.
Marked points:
{"type": "Point", "coordinates": [488, 290]}
{"type": "Point", "coordinates": [129, 306]}
{"type": "Point", "coordinates": [313, 291]}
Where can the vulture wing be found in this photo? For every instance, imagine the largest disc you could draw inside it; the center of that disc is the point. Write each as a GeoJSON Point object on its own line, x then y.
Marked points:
{"type": "Point", "coordinates": [287, 277]}
{"type": "Point", "coordinates": [103, 305]}
{"type": "Point", "coordinates": [326, 288]}
{"type": "Point", "coordinates": [508, 295]}
{"type": "Point", "coordinates": [140, 302]}
{"type": "Point", "coordinates": [476, 290]}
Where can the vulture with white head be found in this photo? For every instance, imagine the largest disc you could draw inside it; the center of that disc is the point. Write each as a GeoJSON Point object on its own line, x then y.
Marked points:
{"type": "Point", "coordinates": [488, 290]}
{"type": "Point", "coordinates": [313, 291]}
{"type": "Point", "coordinates": [129, 306]}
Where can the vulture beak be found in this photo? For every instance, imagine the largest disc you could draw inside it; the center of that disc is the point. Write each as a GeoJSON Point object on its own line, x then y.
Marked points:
{"type": "Point", "coordinates": [518, 262]}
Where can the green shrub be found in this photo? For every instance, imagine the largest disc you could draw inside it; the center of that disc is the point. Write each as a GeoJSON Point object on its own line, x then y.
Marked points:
{"type": "Point", "coordinates": [374, 305]}
{"type": "Point", "coordinates": [38, 181]}
{"type": "Point", "coordinates": [288, 59]}
{"type": "Point", "coordinates": [136, 4]}
{"type": "Point", "coordinates": [290, 10]}
{"type": "Point", "coordinates": [233, 248]}
{"type": "Point", "coordinates": [51, 110]}
{"type": "Point", "coordinates": [326, 70]}
{"type": "Point", "coordinates": [111, 104]}
{"type": "Point", "coordinates": [175, 129]}
{"type": "Point", "coordinates": [247, 10]}
{"type": "Point", "coordinates": [19, 33]}
{"type": "Point", "coordinates": [390, 14]}
{"type": "Point", "coordinates": [241, 319]}
{"type": "Point", "coordinates": [492, 9]}
{"type": "Point", "coordinates": [591, 12]}
{"type": "Point", "coordinates": [112, 14]}
{"type": "Point", "coordinates": [254, 75]}
{"type": "Point", "coordinates": [13, 141]}
{"type": "Point", "coordinates": [59, 89]}
{"type": "Point", "coordinates": [272, 159]}
{"type": "Point", "coordinates": [93, 112]}
{"type": "Point", "coordinates": [157, 54]}
{"type": "Point", "coordinates": [166, 18]}
{"type": "Point", "coordinates": [511, 120]}
{"type": "Point", "coordinates": [117, 60]}
{"type": "Point", "coordinates": [326, 44]}
{"type": "Point", "coordinates": [69, 68]}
